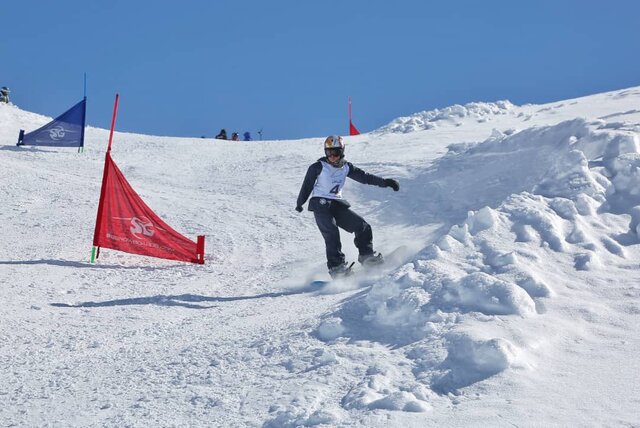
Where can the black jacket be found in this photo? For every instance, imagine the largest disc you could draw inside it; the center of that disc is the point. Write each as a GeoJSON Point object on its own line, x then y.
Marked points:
{"type": "Point", "coordinates": [314, 171]}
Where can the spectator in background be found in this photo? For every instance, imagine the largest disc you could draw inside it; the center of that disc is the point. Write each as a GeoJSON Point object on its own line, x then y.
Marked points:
{"type": "Point", "coordinates": [247, 136]}
{"type": "Point", "coordinates": [4, 95]}
{"type": "Point", "coordinates": [222, 135]}
{"type": "Point", "coordinates": [234, 136]}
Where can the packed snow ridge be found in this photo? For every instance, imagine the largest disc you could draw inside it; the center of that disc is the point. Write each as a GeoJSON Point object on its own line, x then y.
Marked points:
{"type": "Point", "coordinates": [481, 112]}
{"type": "Point", "coordinates": [510, 294]}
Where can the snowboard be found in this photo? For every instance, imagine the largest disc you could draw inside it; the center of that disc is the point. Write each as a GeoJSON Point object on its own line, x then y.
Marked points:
{"type": "Point", "coordinates": [359, 272]}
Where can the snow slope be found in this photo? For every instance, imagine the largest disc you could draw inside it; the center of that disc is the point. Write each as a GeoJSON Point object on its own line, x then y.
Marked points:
{"type": "Point", "coordinates": [515, 303]}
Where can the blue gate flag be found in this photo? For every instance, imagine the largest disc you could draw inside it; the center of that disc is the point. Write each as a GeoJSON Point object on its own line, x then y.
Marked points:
{"type": "Point", "coordinates": [67, 130]}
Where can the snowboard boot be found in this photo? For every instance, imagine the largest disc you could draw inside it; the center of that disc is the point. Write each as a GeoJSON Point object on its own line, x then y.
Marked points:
{"type": "Point", "coordinates": [370, 260]}
{"type": "Point", "coordinates": [340, 271]}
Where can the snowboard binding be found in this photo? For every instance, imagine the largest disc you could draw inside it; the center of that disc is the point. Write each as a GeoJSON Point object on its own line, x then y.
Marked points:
{"type": "Point", "coordinates": [341, 271]}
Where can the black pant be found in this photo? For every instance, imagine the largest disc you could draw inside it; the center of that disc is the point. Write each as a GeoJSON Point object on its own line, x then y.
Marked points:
{"type": "Point", "coordinates": [335, 215]}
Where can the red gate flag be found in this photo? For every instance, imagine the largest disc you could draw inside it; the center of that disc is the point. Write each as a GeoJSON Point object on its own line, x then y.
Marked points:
{"type": "Point", "coordinates": [352, 128]}
{"type": "Point", "coordinates": [126, 223]}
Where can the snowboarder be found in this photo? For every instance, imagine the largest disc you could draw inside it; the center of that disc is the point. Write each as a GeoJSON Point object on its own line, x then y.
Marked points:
{"type": "Point", "coordinates": [324, 182]}
{"type": "Point", "coordinates": [247, 136]}
{"type": "Point", "coordinates": [4, 95]}
{"type": "Point", "coordinates": [234, 136]}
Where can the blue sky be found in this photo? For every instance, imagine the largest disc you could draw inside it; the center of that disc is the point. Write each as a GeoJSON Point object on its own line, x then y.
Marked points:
{"type": "Point", "coordinates": [190, 68]}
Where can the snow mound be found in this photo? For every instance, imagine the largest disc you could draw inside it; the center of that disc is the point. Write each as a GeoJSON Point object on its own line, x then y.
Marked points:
{"type": "Point", "coordinates": [573, 159]}
{"type": "Point", "coordinates": [561, 197]}
{"type": "Point", "coordinates": [449, 116]}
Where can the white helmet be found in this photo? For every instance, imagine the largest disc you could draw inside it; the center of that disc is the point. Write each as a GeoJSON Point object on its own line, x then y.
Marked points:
{"type": "Point", "coordinates": [333, 145]}
{"type": "Point", "coordinates": [334, 142]}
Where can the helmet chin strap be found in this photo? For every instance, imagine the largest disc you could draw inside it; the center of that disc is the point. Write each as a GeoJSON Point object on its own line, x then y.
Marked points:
{"type": "Point", "coordinates": [336, 163]}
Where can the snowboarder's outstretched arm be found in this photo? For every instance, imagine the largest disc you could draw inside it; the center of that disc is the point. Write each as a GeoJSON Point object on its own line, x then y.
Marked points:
{"type": "Point", "coordinates": [307, 185]}
{"type": "Point", "coordinates": [360, 176]}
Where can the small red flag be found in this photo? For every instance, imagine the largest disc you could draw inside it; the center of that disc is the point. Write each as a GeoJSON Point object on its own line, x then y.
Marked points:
{"type": "Point", "coordinates": [126, 223]}
{"type": "Point", "coordinates": [352, 129]}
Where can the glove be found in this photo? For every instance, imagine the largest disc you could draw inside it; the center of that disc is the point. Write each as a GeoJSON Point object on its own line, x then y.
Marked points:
{"type": "Point", "coordinates": [394, 184]}
{"type": "Point", "coordinates": [299, 208]}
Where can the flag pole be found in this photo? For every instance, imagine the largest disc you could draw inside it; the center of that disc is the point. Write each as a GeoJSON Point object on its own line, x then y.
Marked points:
{"type": "Point", "coordinates": [84, 117]}
{"type": "Point", "coordinates": [113, 122]}
{"type": "Point", "coordinates": [95, 252]}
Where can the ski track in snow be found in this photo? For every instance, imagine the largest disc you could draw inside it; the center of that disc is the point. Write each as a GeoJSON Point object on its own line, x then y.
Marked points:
{"type": "Point", "coordinates": [515, 304]}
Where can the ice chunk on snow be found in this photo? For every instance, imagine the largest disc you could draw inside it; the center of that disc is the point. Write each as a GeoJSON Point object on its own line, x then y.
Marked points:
{"type": "Point", "coordinates": [330, 329]}
{"type": "Point", "coordinates": [635, 220]}
{"type": "Point", "coordinates": [625, 192]}
{"type": "Point", "coordinates": [480, 220]}
{"type": "Point", "coordinates": [470, 361]}
{"type": "Point", "coordinates": [400, 400]}
{"type": "Point", "coordinates": [480, 292]}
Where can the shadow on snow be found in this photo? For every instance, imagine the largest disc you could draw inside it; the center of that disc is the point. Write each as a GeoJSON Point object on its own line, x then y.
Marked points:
{"type": "Point", "coordinates": [185, 300]}
{"type": "Point", "coordinates": [71, 263]}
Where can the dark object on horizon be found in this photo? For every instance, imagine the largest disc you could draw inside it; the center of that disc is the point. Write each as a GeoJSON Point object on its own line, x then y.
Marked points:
{"type": "Point", "coordinates": [247, 136]}
{"type": "Point", "coordinates": [260, 134]}
{"type": "Point", "coordinates": [222, 135]}
{"type": "Point", "coordinates": [4, 95]}
{"type": "Point", "coordinates": [234, 136]}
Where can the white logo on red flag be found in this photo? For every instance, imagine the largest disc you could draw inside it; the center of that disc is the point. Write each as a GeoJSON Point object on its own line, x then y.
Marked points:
{"type": "Point", "coordinates": [139, 226]}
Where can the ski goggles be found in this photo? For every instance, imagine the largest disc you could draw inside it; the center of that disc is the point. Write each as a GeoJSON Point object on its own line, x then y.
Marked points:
{"type": "Point", "coordinates": [334, 151]}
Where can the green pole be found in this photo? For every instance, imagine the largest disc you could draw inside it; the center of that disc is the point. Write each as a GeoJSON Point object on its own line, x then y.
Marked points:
{"type": "Point", "coordinates": [93, 255]}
